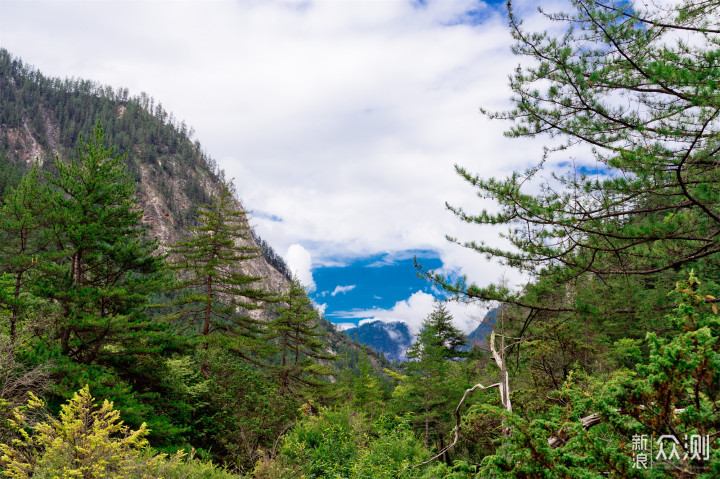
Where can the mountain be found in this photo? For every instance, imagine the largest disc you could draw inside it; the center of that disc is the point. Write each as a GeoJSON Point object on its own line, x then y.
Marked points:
{"type": "Point", "coordinates": [391, 339]}
{"type": "Point", "coordinates": [478, 335]}
{"type": "Point", "coordinates": [43, 118]}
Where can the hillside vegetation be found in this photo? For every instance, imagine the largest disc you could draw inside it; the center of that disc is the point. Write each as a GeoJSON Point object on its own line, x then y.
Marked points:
{"type": "Point", "coordinates": [118, 303]}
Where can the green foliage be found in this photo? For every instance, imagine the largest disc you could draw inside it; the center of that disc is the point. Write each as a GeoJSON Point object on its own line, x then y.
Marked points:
{"type": "Point", "coordinates": [343, 444]}
{"type": "Point", "coordinates": [105, 269]}
{"type": "Point", "coordinates": [644, 200]}
{"type": "Point", "coordinates": [84, 442]}
{"type": "Point", "coordinates": [295, 332]}
{"type": "Point", "coordinates": [29, 101]}
{"type": "Point", "coordinates": [90, 442]}
{"type": "Point", "coordinates": [10, 174]}
{"type": "Point", "coordinates": [217, 296]}
{"type": "Point", "coordinates": [675, 392]}
{"type": "Point", "coordinates": [78, 273]}
{"type": "Point", "coordinates": [433, 381]}
{"type": "Point", "coordinates": [25, 235]}
{"type": "Point", "coordinates": [242, 412]}
{"type": "Point", "coordinates": [366, 388]}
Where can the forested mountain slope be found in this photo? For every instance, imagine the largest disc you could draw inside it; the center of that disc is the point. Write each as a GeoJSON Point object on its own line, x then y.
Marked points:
{"type": "Point", "coordinates": [608, 354]}
{"type": "Point", "coordinates": [43, 118]}
{"type": "Point", "coordinates": [391, 339]}
{"type": "Point", "coordinates": [128, 268]}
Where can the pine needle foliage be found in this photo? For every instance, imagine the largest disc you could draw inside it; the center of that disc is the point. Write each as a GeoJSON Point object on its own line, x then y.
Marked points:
{"type": "Point", "coordinates": [295, 331]}
{"type": "Point", "coordinates": [104, 268]}
{"type": "Point", "coordinates": [217, 297]}
{"type": "Point", "coordinates": [634, 87]}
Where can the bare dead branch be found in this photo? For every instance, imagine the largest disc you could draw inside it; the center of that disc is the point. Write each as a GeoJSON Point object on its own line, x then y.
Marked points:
{"type": "Point", "coordinates": [457, 422]}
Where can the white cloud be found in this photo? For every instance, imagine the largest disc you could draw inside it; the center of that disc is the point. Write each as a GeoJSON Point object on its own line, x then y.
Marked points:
{"type": "Point", "coordinates": [344, 326]}
{"type": "Point", "coordinates": [394, 335]}
{"type": "Point", "coordinates": [320, 307]}
{"type": "Point", "coordinates": [340, 121]}
{"type": "Point", "coordinates": [414, 310]}
{"type": "Point", "coordinates": [299, 260]}
{"type": "Point", "coordinates": [342, 289]}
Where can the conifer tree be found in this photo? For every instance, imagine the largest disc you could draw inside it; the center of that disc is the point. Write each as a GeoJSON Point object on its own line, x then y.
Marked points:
{"type": "Point", "coordinates": [432, 377]}
{"type": "Point", "coordinates": [617, 427]}
{"type": "Point", "coordinates": [363, 386]}
{"type": "Point", "coordinates": [106, 268]}
{"type": "Point", "coordinates": [217, 298]}
{"type": "Point", "coordinates": [299, 344]}
{"type": "Point", "coordinates": [24, 240]}
{"type": "Point", "coordinates": [642, 197]}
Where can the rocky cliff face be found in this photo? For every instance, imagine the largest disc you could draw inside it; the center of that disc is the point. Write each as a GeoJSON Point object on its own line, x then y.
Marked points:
{"type": "Point", "coordinates": [172, 172]}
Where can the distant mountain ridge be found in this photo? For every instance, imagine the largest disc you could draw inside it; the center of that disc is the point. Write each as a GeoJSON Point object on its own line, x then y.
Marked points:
{"type": "Point", "coordinates": [478, 335]}
{"type": "Point", "coordinates": [391, 339]}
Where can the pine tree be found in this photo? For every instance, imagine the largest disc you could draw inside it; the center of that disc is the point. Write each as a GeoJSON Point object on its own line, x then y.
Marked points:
{"type": "Point", "coordinates": [432, 377]}
{"type": "Point", "coordinates": [217, 298]}
{"type": "Point", "coordinates": [642, 198]}
{"type": "Point", "coordinates": [24, 240]}
{"type": "Point", "coordinates": [295, 332]}
{"type": "Point", "coordinates": [105, 268]}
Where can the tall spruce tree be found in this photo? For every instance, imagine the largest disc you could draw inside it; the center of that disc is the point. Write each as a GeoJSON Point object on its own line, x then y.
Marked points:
{"type": "Point", "coordinates": [298, 341]}
{"type": "Point", "coordinates": [24, 240]}
{"type": "Point", "coordinates": [105, 268]}
{"type": "Point", "coordinates": [217, 298]}
{"type": "Point", "coordinates": [433, 380]}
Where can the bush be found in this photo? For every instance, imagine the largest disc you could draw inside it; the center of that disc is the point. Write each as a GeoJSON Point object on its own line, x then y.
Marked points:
{"type": "Point", "coordinates": [89, 442]}
{"type": "Point", "coordinates": [344, 444]}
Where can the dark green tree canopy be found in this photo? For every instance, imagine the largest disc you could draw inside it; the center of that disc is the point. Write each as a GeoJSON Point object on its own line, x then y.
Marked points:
{"type": "Point", "coordinates": [105, 268]}
{"type": "Point", "coordinates": [217, 296]}
{"type": "Point", "coordinates": [298, 341]}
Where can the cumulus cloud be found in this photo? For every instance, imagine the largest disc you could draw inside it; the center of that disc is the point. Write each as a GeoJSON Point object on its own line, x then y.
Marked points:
{"type": "Point", "coordinates": [340, 121]}
{"type": "Point", "coordinates": [342, 289]}
{"type": "Point", "coordinates": [299, 260]}
{"type": "Point", "coordinates": [320, 307]}
{"type": "Point", "coordinates": [344, 326]}
{"type": "Point", "coordinates": [414, 310]}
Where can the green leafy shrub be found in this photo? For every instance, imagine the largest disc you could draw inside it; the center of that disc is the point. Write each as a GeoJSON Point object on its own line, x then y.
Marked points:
{"type": "Point", "coordinates": [674, 393]}
{"type": "Point", "coordinates": [89, 442]}
{"type": "Point", "coordinates": [343, 443]}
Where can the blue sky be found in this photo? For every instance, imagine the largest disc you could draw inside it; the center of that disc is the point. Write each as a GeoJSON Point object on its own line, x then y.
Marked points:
{"type": "Point", "coordinates": [370, 283]}
{"type": "Point", "coordinates": [340, 121]}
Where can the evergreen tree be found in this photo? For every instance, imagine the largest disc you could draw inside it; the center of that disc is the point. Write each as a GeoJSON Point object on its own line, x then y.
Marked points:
{"type": "Point", "coordinates": [615, 428]}
{"type": "Point", "coordinates": [363, 386]}
{"type": "Point", "coordinates": [216, 296]}
{"type": "Point", "coordinates": [433, 380]}
{"type": "Point", "coordinates": [24, 240]}
{"type": "Point", "coordinates": [645, 200]}
{"type": "Point", "coordinates": [299, 344]}
{"type": "Point", "coordinates": [106, 268]}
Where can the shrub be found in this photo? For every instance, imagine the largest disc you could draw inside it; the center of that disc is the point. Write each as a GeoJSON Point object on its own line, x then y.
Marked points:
{"type": "Point", "coordinates": [90, 442]}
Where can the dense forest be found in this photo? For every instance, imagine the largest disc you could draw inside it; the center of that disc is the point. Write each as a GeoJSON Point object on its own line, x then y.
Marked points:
{"type": "Point", "coordinates": [127, 355]}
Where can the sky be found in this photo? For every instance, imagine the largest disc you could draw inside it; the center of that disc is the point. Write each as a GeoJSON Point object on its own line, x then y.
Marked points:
{"type": "Point", "coordinates": [340, 122]}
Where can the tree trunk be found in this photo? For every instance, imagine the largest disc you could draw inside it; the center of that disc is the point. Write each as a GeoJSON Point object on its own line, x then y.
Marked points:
{"type": "Point", "coordinates": [504, 377]}
{"type": "Point", "coordinates": [208, 306]}
{"type": "Point", "coordinates": [16, 307]}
